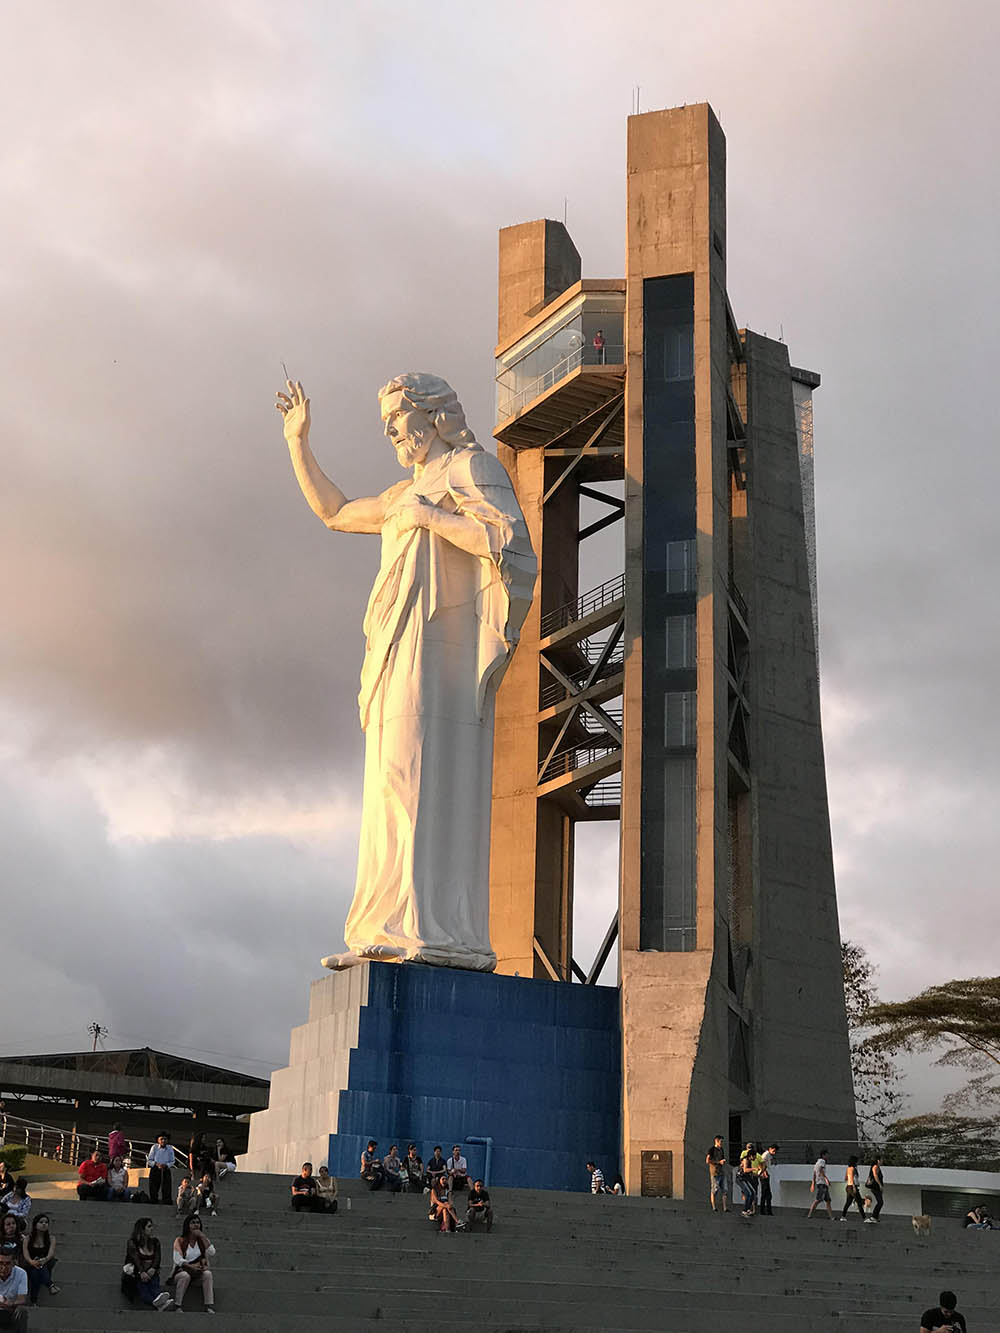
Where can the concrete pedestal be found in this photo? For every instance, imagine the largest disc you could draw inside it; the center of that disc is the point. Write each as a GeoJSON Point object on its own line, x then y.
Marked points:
{"type": "Point", "coordinates": [406, 1053]}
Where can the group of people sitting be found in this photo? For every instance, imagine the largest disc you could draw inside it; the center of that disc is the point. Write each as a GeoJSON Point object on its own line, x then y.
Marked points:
{"type": "Point", "coordinates": [106, 1179]}
{"type": "Point", "coordinates": [978, 1219]}
{"type": "Point", "coordinates": [27, 1260]}
{"type": "Point", "coordinates": [191, 1265]}
{"type": "Point", "coordinates": [442, 1178]}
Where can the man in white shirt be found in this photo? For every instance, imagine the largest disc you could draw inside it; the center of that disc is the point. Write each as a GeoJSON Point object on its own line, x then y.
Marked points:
{"type": "Point", "coordinates": [13, 1290]}
{"type": "Point", "coordinates": [821, 1185]}
{"type": "Point", "coordinates": [458, 1169]}
{"type": "Point", "coordinates": [161, 1161]}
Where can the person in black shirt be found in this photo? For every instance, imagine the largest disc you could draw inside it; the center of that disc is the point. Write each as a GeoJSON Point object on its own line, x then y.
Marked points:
{"type": "Point", "coordinates": [480, 1209]}
{"type": "Point", "coordinates": [305, 1195]}
{"type": "Point", "coordinates": [413, 1171]}
{"type": "Point", "coordinates": [436, 1167]}
{"type": "Point", "coordinates": [945, 1317]}
{"type": "Point", "coordinates": [715, 1159]}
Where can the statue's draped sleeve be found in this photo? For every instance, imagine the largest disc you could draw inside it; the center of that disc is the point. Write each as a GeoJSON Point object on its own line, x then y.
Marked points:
{"type": "Point", "coordinates": [481, 490]}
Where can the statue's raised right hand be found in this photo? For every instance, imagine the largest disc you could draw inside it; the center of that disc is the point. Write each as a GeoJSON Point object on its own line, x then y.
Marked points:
{"type": "Point", "coordinates": [294, 407]}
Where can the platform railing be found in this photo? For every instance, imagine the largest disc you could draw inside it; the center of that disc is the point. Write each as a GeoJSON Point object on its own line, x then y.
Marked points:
{"type": "Point", "coordinates": [594, 600]}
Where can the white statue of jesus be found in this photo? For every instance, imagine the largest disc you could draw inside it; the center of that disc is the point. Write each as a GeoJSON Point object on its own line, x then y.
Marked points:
{"type": "Point", "coordinates": [443, 619]}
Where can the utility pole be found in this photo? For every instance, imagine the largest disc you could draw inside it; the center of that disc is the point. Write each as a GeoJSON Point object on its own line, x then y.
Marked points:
{"type": "Point", "coordinates": [96, 1031]}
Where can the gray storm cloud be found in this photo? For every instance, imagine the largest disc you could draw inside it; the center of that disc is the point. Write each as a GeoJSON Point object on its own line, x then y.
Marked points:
{"type": "Point", "coordinates": [191, 193]}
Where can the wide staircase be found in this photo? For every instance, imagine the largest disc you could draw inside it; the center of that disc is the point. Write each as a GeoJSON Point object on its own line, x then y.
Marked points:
{"type": "Point", "coordinates": [552, 1261]}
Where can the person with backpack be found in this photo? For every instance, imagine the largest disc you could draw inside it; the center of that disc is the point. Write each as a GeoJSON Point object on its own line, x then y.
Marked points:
{"type": "Point", "coordinates": [874, 1185]}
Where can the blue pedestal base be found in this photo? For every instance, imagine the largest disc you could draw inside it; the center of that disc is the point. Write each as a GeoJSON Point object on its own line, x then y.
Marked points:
{"type": "Point", "coordinates": [442, 1055]}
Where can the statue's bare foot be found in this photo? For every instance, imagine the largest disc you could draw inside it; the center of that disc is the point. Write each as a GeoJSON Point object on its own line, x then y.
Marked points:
{"type": "Point", "coordinates": [386, 953]}
{"type": "Point", "coordinates": [338, 961]}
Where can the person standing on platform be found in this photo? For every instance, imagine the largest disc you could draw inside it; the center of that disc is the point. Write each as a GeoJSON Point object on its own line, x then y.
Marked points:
{"type": "Point", "coordinates": [93, 1175]}
{"type": "Point", "coordinates": [874, 1185]}
{"type": "Point", "coordinates": [764, 1176]}
{"type": "Point", "coordinates": [599, 347]}
{"type": "Point", "coordinates": [117, 1146]}
{"type": "Point", "coordinates": [715, 1159]}
{"type": "Point", "coordinates": [820, 1186]}
{"type": "Point", "coordinates": [161, 1159]}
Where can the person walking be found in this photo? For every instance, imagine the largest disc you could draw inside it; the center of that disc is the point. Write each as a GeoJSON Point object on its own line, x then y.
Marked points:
{"type": "Point", "coordinates": [820, 1186]}
{"type": "Point", "coordinates": [874, 1185]}
{"type": "Point", "coordinates": [747, 1180]}
{"type": "Point", "coordinates": [852, 1191]}
{"type": "Point", "coordinates": [764, 1179]}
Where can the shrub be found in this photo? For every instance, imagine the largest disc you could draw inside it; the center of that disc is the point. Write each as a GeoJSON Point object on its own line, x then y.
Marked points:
{"type": "Point", "coordinates": [14, 1155]}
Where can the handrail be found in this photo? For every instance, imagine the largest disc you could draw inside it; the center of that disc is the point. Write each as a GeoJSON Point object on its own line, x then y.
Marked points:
{"type": "Point", "coordinates": [69, 1146]}
{"type": "Point", "coordinates": [585, 355]}
{"type": "Point", "coordinates": [585, 605]}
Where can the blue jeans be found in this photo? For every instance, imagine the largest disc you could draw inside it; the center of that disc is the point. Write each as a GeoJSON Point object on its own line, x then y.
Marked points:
{"type": "Point", "coordinates": [37, 1279]}
{"type": "Point", "coordinates": [748, 1188]}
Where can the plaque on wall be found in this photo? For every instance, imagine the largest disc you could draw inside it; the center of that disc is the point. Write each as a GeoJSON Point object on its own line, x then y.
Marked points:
{"type": "Point", "coordinates": [657, 1174]}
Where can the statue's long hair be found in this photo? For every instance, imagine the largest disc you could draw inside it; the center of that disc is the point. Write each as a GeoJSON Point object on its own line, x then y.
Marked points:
{"type": "Point", "coordinates": [438, 400]}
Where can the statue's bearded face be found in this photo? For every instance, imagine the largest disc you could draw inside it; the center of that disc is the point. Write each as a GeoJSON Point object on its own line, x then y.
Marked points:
{"type": "Point", "coordinates": [410, 433]}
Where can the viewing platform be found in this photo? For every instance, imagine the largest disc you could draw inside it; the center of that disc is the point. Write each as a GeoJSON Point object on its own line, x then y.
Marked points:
{"type": "Point", "coordinates": [566, 363]}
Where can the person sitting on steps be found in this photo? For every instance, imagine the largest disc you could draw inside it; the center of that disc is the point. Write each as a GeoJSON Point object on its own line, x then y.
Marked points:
{"type": "Point", "coordinates": [192, 1252]}
{"type": "Point", "coordinates": [436, 1167]}
{"type": "Point", "coordinates": [458, 1170]}
{"type": "Point", "coordinates": [392, 1167]}
{"type": "Point", "coordinates": [141, 1270]}
{"type": "Point", "coordinates": [13, 1290]}
{"type": "Point", "coordinates": [93, 1175]}
{"type": "Point", "coordinates": [480, 1209]}
{"type": "Point", "coordinates": [38, 1257]}
{"type": "Point", "coordinates": [372, 1172]}
{"type": "Point", "coordinates": [326, 1190]}
{"type": "Point", "coordinates": [305, 1191]}
{"type": "Point", "coordinates": [442, 1209]}
{"type": "Point", "coordinates": [413, 1171]}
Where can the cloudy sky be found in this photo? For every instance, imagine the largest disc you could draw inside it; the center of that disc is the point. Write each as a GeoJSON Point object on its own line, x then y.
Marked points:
{"type": "Point", "coordinates": [190, 192]}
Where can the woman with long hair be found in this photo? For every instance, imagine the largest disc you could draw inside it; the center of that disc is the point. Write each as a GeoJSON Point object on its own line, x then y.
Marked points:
{"type": "Point", "coordinates": [141, 1271]}
{"type": "Point", "coordinates": [38, 1257]}
{"type": "Point", "coordinates": [853, 1190]}
{"type": "Point", "coordinates": [11, 1228]}
{"type": "Point", "coordinates": [192, 1252]}
{"type": "Point", "coordinates": [118, 1181]}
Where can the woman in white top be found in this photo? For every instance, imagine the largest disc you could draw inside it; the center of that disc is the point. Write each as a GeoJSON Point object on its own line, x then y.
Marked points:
{"type": "Point", "coordinates": [192, 1251]}
{"type": "Point", "coordinates": [117, 1181]}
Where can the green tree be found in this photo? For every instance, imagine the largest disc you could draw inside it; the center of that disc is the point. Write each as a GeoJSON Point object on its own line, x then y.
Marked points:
{"type": "Point", "coordinates": [960, 1018]}
{"type": "Point", "coordinates": [944, 1139]}
{"type": "Point", "coordinates": [878, 1099]}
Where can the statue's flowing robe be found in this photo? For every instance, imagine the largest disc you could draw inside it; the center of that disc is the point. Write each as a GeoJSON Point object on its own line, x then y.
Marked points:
{"type": "Point", "coordinates": [441, 626]}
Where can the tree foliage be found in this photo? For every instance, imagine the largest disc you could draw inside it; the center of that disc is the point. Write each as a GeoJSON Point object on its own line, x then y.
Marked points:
{"type": "Point", "coordinates": [944, 1139]}
{"type": "Point", "coordinates": [878, 1098]}
{"type": "Point", "coordinates": [960, 1018]}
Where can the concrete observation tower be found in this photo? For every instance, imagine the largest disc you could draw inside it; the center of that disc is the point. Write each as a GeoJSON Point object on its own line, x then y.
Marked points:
{"type": "Point", "coordinates": [680, 696]}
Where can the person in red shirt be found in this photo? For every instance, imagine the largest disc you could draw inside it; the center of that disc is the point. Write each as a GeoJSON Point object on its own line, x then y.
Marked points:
{"type": "Point", "coordinates": [93, 1175]}
{"type": "Point", "coordinates": [599, 345]}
